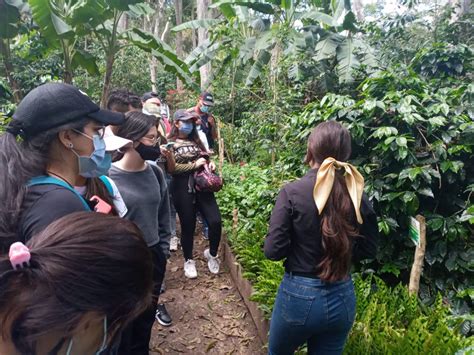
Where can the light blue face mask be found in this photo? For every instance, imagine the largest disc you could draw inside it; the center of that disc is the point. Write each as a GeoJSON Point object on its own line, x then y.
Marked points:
{"type": "Point", "coordinates": [186, 127]}
{"type": "Point", "coordinates": [204, 108]}
{"type": "Point", "coordinates": [98, 163]}
{"type": "Point", "coordinates": [103, 347]}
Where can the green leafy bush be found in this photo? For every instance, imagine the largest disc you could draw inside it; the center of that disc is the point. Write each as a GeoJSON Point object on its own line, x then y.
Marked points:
{"type": "Point", "coordinates": [390, 321]}
{"type": "Point", "coordinates": [413, 142]}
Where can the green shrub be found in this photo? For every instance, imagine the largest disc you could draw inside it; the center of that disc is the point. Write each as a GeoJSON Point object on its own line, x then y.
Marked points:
{"type": "Point", "coordinates": [390, 321]}
{"type": "Point", "coordinates": [413, 140]}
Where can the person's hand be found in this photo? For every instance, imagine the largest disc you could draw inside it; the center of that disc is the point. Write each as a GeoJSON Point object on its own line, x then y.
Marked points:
{"type": "Point", "coordinates": [200, 162]}
{"type": "Point", "coordinates": [212, 166]}
{"type": "Point", "coordinates": [165, 152]}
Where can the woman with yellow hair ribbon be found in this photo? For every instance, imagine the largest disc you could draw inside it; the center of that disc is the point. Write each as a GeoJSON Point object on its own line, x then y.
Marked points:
{"type": "Point", "coordinates": [320, 225]}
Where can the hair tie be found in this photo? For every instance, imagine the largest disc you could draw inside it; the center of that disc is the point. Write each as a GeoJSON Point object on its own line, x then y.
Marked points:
{"type": "Point", "coordinates": [325, 181]}
{"type": "Point", "coordinates": [19, 255]}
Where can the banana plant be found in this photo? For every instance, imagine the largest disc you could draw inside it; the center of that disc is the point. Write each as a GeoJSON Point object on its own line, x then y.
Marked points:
{"type": "Point", "coordinates": [164, 54]}
{"type": "Point", "coordinates": [10, 25]}
{"type": "Point", "coordinates": [58, 23]}
{"type": "Point", "coordinates": [100, 18]}
{"type": "Point", "coordinates": [264, 32]}
{"type": "Point", "coordinates": [233, 37]}
{"type": "Point", "coordinates": [64, 22]}
{"type": "Point", "coordinates": [337, 41]}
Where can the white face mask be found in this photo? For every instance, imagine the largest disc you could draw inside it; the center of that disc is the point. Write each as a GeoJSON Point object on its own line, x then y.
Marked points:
{"type": "Point", "coordinates": [103, 346]}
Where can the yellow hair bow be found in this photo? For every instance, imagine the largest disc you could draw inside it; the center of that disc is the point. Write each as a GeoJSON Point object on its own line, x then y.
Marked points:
{"type": "Point", "coordinates": [325, 181]}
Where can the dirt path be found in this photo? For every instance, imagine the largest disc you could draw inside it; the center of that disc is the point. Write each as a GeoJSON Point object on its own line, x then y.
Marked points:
{"type": "Point", "coordinates": [209, 316]}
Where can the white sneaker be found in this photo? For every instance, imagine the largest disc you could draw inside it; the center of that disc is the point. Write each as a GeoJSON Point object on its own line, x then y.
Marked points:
{"type": "Point", "coordinates": [212, 262]}
{"type": "Point", "coordinates": [174, 243]}
{"type": "Point", "coordinates": [190, 269]}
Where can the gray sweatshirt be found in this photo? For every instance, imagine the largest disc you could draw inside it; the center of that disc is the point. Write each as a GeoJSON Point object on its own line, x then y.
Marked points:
{"type": "Point", "coordinates": [146, 196]}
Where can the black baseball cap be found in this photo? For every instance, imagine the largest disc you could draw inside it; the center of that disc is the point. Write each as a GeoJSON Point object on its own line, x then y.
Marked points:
{"type": "Point", "coordinates": [55, 104]}
{"type": "Point", "coordinates": [207, 98]}
{"type": "Point", "coordinates": [183, 115]}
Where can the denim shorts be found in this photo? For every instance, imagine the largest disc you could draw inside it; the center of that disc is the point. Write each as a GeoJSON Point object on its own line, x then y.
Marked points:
{"type": "Point", "coordinates": [311, 311]}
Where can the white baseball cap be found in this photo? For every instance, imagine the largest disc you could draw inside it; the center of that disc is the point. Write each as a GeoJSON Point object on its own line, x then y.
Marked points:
{"type": "Point", "coordinates": [113, 142]}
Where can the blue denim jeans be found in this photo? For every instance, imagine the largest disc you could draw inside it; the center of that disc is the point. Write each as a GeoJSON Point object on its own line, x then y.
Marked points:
{"type": "Point", "coordinates": [312, 311]}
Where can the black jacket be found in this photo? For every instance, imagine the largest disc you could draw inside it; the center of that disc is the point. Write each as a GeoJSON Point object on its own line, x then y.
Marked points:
{"type": "Point", "coordinates": [295, 232]}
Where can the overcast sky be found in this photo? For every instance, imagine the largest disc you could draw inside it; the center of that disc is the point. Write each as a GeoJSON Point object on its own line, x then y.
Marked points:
{"type": "Point", "coordinates": [394, 6]}
{"type": "Point", "coordinates": [391, 6]}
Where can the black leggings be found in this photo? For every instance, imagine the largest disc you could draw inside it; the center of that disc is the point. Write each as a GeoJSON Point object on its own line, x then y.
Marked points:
{"type": "Point", "coordinates": [187, 204]}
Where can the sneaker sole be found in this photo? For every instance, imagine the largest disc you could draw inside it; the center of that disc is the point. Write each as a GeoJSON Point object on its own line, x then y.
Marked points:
{"type": "Point", "coordinates": [164, 324]}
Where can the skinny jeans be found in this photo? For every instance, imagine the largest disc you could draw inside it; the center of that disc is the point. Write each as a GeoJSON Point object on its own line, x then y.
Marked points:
{"type": "Point", "coordinates": [308, 310]}
{"type": "Point", "coordinates": [187, 203]}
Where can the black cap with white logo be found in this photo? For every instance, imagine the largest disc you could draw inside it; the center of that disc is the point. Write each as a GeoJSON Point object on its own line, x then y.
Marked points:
{"type": "Point", "coordinates": [55, 104]}
{"type": "Point", "coordinates": [207, 98]}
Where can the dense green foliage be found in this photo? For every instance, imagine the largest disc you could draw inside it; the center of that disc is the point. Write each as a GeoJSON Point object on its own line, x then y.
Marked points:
{"type": "Point", "coordinates": [414, 144]}
{"type": "Point", "coordinates": [413, 138]}
{"type": "Point", "coordinates": [388, 320]}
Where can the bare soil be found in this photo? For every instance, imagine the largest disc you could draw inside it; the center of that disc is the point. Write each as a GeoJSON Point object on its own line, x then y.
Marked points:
{"type": "Point", "coordinates": [209, 315]}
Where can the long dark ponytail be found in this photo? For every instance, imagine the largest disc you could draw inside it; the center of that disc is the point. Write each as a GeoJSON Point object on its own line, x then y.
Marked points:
{"type": "Point", "coordinates": [338, 221]}
{"type": "Point", "coordinates": [22, 158]}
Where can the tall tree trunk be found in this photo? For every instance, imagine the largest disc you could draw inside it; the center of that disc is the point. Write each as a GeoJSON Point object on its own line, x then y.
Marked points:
{"type": "Point", "coordinates": [153, 25]}
{"type": "Point", "coordinates": [178, 7]}
{"type": "Point", "coordinates": [6, 55]}
{"type": "Point", "coordinates": [193, 31]}
{"type": "Point", "coordinates": [358, 9]}
{"type": "Point", "coordinates": [67, 75]}
{"type": "Point", "coordinates": [107, 78]}
{"type": "Point", "coordinates": [461, 7]}
{"type": "Point", "coordinates": [153, 61]}
{"type": "Point", "coordinates": [202, 13]}
{"type": "Point", "coordinates": [274, 64]}
{"type": "Point", "coordinates": [123, 22]}
{"type": "Point", "coordinates": [113, 48]}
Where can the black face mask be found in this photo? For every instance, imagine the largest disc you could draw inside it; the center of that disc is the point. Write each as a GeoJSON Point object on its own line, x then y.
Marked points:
{"type": "Point", "coordinates": [147, 152]}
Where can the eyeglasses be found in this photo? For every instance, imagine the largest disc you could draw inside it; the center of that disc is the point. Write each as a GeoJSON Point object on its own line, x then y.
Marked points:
{"type": "Point", "coordinates": [154, 140]}
{"type": "Point", "coordinates": [99, 130]}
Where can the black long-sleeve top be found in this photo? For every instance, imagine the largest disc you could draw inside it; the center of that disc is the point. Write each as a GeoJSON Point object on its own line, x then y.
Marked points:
{"type": "Point", "coordinates": [295, 232]}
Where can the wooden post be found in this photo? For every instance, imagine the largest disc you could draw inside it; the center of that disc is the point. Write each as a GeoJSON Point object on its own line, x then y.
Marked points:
{"type": "Point", "coordinates": [417, 266]}
{"type": "Point", "coordinates": [235, 221]}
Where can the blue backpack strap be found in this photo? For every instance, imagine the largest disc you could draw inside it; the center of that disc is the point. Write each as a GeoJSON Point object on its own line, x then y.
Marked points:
{"type": "Point", "coordinates": [49, 180]}
{"type": "Point", "coordinates": [107, 184]}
